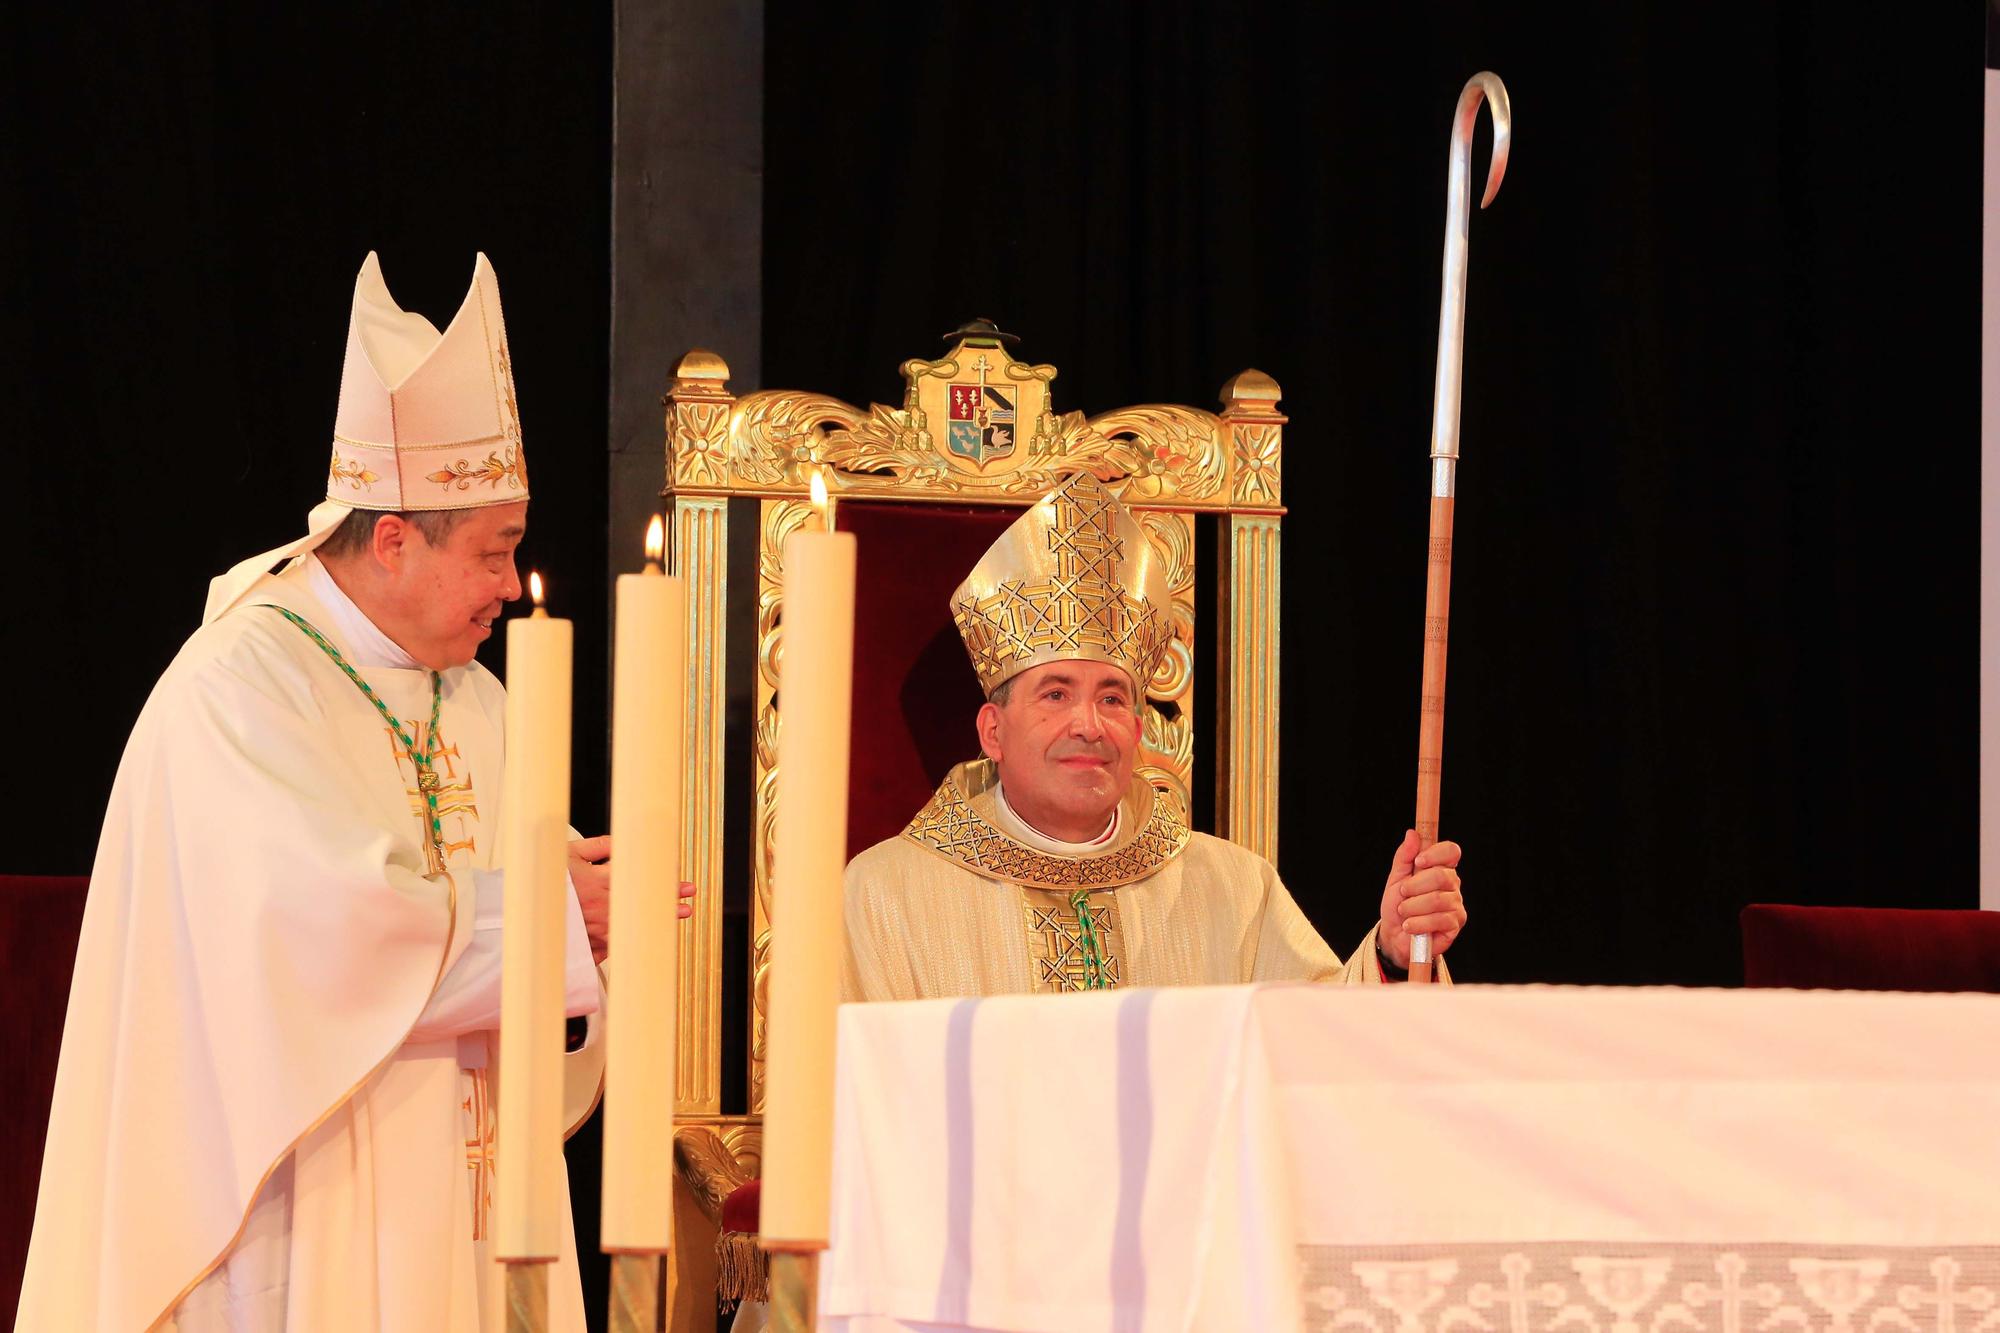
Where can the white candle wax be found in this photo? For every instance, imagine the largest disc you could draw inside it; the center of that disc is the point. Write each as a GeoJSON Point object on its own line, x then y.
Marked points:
{"type": "Point", "coordinates": [649, 689]}
{"type": "Point", "coordinates": [529, 1198]}
{"type": "Point", "coordinates": [815, 693]}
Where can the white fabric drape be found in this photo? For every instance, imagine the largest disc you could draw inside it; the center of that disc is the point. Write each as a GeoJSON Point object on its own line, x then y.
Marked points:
{"type": "Point", "coordinates": [1286, 1157]}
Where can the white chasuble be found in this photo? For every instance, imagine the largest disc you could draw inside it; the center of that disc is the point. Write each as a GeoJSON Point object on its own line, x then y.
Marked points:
{"type": "Point", "coordinates": [245, 1135]}
{"type": "Point", "coordinates": [972, 901]}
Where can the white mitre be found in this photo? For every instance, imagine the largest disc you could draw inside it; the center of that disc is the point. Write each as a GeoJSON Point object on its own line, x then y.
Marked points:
{"type": "Point", "coordinates": [427, 420]}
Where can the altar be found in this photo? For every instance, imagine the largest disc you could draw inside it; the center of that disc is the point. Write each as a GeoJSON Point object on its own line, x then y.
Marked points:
{"type": "Point", "coordinates": [1299, 1157]}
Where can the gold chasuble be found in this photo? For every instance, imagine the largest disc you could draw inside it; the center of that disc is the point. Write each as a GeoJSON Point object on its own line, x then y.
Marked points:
{"type": "Point", "coordinates": [971, 901]}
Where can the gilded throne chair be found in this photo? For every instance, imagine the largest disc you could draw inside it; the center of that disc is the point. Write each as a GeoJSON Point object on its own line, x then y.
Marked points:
{"type": "Point", "coordinates": [926, 487]}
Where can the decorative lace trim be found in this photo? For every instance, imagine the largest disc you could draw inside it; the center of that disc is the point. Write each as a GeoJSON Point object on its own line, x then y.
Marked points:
{"type": "Point", "coordinates": [1580, 1287]}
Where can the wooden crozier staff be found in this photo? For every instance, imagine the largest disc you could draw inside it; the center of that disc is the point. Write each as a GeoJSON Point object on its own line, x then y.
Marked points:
{"type": "Point", "coordinates": [1486, 87]}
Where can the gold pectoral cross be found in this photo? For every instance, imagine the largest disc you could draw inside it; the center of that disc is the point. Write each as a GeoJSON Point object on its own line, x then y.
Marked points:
{"type": "Point", "coordinates": [427, 787]}
{"type": "Point", "coordinates": [434, 792]}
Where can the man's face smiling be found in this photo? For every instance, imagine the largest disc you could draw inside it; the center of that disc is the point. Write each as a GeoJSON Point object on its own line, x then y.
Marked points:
{"type": "Point", "coordinates": [1065, 743]}
{"type": "Point", "coordinates": [452, 593]}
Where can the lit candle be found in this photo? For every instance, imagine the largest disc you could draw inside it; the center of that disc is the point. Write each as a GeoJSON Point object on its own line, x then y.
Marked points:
{"type": "Point", "coordinates": [815, 694]}
{"type": "Point", "coordinates": [649, 688]}
{"type": "Point", "coordinates": [529, 1200]}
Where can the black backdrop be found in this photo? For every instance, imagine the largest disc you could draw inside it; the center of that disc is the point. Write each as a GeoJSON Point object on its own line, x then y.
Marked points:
{"type": "Point", "coordinates": [188, 197]}
{"type": "Point", "coordinates": [1714, 632]}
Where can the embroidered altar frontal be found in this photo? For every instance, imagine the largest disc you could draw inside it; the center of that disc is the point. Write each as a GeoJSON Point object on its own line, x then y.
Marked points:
{"type": "Point", "coordinates": [1356, 1158]}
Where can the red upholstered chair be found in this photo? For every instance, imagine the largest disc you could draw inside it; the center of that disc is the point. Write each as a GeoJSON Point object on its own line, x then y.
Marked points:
{"type": "Point", "coordinates": [40, 916]}
{"type": "Point", "coordinates": [1870, 948]}
{"type": "Point", "coordinates": [926, 487]}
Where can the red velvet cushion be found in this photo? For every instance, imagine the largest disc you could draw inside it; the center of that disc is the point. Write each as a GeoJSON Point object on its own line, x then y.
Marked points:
{"type": "Point", "coordinates": [915, 695]}
{"type": "Point", "coordinates": [39, 920]}
{"type": "Point", "coordinates": [741, 1209]}
{"type": "Point", "coordinates": [1870, 948]}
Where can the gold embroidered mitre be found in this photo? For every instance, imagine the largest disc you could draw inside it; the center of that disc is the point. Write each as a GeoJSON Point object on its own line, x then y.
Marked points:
{"type": "Point", "coordinates": [1073, 578]}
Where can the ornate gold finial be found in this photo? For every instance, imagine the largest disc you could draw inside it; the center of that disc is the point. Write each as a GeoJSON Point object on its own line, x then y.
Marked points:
{"type": "Point", "coordinates": [701, 374]}
{"type": "Point", "coordinates": [1251, 389]}
{"type": "Point", "coordinates": [1073, 578]}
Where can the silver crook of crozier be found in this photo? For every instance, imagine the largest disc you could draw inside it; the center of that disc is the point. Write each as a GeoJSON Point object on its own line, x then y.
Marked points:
{"type": "Point", "coordinates": [1481, 87]}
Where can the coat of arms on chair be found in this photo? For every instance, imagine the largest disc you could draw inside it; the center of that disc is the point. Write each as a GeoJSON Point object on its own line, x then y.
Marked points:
{"type": "Point", "coordinates": [926, 486]}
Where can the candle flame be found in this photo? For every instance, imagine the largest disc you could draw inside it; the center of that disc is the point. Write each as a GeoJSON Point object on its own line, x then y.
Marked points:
{"type": "Point", "coordinates": [656, 539]}
{"type": "Point", "coordinates": [819, 491]}
{"type": "Point", "coordinates": [535, 587]}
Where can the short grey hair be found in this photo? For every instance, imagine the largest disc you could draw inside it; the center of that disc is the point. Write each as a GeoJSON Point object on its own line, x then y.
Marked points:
{"type": "Point", "coordinates": [1002, 692]}
{"type": "Point", "coordinates": [357, 530]}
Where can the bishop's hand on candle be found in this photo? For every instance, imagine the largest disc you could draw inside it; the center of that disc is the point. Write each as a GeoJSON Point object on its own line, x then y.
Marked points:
{"type": "Point", "coordinates": [1423, 895]}
{"type": "Point", "coordinates": [590, 871]}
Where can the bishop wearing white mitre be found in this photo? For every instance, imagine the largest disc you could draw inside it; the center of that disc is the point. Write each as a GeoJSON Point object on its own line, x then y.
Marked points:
{"type": "Point", "coordinates": [275, 1105]}
{"type": "Point", "coordinates": [1050, 864]}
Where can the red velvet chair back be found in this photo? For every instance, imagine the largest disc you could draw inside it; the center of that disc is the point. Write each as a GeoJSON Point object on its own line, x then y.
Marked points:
{"type": "Point", "coordinates": [39, 920]}
{"type": "Point", "coordinates": [1870, 948]}
{"type": "Point", "coordinates": [915, 695]}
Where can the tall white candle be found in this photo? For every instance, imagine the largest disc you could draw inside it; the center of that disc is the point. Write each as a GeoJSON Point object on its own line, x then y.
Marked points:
{"type": "Point", "coordinates": [815, 693]}
{"type": "Point", "coordinates": [529, 1199]}
{"type": "Point", "coordinates": [649, 689]}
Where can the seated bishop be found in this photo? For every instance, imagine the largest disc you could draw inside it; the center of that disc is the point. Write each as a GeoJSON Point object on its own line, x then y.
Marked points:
{"type": "Point", "coordinates": [1047, 864]}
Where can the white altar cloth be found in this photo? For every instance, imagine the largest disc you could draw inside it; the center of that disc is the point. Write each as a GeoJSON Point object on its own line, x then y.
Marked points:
{"type": "Point", "coordinates": [1301, 1157]}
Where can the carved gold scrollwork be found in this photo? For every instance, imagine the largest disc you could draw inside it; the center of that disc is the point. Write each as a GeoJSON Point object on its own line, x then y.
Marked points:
{"type": "Point", "coordinates": [764, 745]}
{"type": "Point", "coordinates": [782, 435]}
{"type": "Point", "coordinates": [1170, 739]}
{"type": "Point", "coordinates": [1168, 452]}
{"type": "Point", "coordinates": [1173, 538]}
{"type": "Point", "coordinates": [700, 444]}
{"type": "Point", "coordinates": [1257, 465]}
{"type": "Point", "coordinates": [760, 1008]}
{"type": "Point", "coordinates": [745, 1141]}
{"type": "Point", "coordinates": [1166, 742]}
{"type": "Point", "coordinates": [716, 1155]}
{"type": "Point", "coordinates": [777, 433]}
{"type": "Point", "coordinates": [779, 519]}
{"type": "Point", "coordinates": [1171, 786]}
{"type": "Point", "coordinates": [1175, 672]}
{"type": "Point", "coordinates": [709, 1166]}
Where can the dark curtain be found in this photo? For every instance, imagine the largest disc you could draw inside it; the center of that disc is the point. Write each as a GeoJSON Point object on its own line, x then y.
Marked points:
{"type": "Point", "coordinates": [1715, 587]}
{"type": "Point", "coordinates": [188, 197]}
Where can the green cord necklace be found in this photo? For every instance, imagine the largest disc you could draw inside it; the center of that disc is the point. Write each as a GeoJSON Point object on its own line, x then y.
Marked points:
{"type": "Point", "coordinates": [1086, 938]}
{"type": "Point", "coordinates": [425, 761]}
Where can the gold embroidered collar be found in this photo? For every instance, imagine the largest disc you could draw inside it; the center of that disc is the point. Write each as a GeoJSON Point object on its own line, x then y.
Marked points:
{"type": "Point", "coordinates": [958, 824]}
